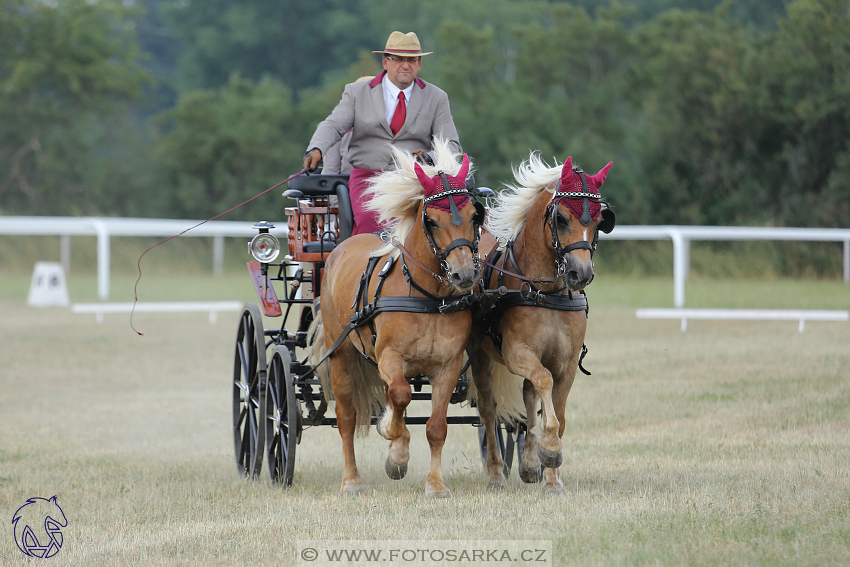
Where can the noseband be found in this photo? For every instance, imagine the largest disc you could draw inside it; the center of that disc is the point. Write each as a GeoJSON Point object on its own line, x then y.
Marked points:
{"type": "Point", "coordinates": [457, 220]}
{"type": "Point", "coordinates": [550, 217]}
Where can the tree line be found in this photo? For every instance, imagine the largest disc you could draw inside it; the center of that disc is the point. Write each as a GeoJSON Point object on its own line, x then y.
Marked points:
{"type": "Point", "coordinates": [713, 113]}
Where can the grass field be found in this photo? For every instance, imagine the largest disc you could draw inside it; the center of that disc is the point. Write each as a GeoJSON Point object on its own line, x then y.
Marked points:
{"type": "Point", "coordinates": [725, 445]}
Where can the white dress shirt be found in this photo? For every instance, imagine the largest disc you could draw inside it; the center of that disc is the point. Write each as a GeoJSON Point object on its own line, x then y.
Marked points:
{"type": "Point", "coordinates": [391, 97]}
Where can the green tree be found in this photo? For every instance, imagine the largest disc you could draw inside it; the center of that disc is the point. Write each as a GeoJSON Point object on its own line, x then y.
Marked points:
{"type": "Point", "coordinates": [225, 146]}
{"type": "Point", "coordinates": [805, 99]}
{"type": "Point", "coordinates": [696, 139]}
{"type": "Point", "coordinates": [294, 41]}
{"type": "Point", "coordinates": [61, 64]}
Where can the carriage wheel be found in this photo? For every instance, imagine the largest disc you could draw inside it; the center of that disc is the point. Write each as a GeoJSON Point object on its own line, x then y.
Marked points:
{"type": "Point", "coordinates": [508, 441]}
{"type": "Point", "coordinates": [282, 413]}
{"type": "Point", "coordinates": [249, 383]}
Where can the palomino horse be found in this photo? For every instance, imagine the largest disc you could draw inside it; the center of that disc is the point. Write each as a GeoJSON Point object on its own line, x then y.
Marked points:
{"type": "Point", "coordinates": [419, 321]}
{"type": "Point", "coordinates": [550, 222]}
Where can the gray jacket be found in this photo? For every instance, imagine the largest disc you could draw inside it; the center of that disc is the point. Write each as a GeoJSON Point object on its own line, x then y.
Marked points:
{"type": "Point", "coordinates": [362, 107]}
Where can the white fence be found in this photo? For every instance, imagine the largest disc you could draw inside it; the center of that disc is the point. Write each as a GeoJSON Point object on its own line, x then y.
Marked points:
{"type": "Point", "coordinates": [683, 235]}
{"type": "Point", "coordinates": [105, 228]}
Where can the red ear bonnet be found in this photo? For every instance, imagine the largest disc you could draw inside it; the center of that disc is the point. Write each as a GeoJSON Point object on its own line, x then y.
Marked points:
{"type": "Point", "coordinates": [436, 194]}
{"type": "Point", "coordinates": [571, 190]}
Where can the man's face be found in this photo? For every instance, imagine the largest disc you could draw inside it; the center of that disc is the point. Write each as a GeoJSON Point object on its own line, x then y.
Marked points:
{"type": "Point", "coordinates": [402, 70]}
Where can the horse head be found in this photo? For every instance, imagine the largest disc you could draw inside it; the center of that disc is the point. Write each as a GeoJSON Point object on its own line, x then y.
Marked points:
{"type": "Point", "coordinates": [451, 221]}
{"type": "Point", "coordinates": [572, 219]}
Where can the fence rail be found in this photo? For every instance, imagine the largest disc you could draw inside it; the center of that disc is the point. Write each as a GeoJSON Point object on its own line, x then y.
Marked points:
{"type": "Point", "coordinates": [106, 227]}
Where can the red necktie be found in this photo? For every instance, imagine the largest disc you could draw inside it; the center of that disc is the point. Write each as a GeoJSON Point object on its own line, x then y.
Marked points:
{"type": "Point", "coordinates": [400, 113]}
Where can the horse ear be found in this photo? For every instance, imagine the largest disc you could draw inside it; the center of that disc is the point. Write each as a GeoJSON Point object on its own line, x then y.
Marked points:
{"type": "Point", "coordinates": [568, 167]}
{"type": "Point", "coordinates": [464, 169]}
{"type": "Point", "coordinates": [424, 180]}
{"type": "Point", "coordinates": [599, 178]}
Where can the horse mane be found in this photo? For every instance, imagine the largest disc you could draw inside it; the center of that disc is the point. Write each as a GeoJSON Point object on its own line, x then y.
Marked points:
{"type": "Point", "coordinates": [396, 194]}
{"type": "Point", "coordinates": [533, 175]}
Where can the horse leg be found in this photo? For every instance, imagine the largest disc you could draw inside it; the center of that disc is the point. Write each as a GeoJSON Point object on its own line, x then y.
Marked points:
{"type": "Point", "coordinates": [436, 429]}
{"type": "Point", "coordinates": [391, 426]}
{"type": "Point", "coordinates": [482, 375]}
{"type": "Point", "coordinates": [346, 418]}
{"type": "Point", "coordinates": [525, 363]}
{"type": "Point", "coordinates": [552, 483]}
{"type": "Point", "coordinates": [529, 466]}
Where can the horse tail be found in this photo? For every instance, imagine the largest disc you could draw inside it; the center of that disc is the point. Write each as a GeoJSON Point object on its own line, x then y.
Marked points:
{"type": "Point", "coordinates": [316, 350]}
{"type": "Point", "coordinates": [369, 392]}
{"type": "Point", "coordinates": [507, 389]}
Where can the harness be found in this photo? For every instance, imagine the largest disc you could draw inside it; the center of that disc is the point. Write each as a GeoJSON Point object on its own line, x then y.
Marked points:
{"type": "Point", "coordinates": [530, 297]}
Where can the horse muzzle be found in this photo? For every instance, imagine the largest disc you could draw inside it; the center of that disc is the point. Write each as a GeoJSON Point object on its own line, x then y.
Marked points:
{"type": "Point", "coordinates": [464, 272]}
{"type": "Point", "coordinates": [578, 275]}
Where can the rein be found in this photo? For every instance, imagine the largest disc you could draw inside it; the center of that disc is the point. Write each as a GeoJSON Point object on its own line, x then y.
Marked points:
{"type": "Point", "coordinates": [417, 263]}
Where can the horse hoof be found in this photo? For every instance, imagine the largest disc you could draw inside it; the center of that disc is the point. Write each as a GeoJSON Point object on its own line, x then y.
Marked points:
{"type": "Point", "coordinates": [549, 459]}
{"type": "Point", "coordinates": [354, 489]}
{"type": "Point", "coordinates": [394, 471]}
{"type": "Point", "coordinates": [554, 489]}
{"type": "Point", "coordinates": [531, 476]}
{"type": "Point", "coordinates": [497, 484]}
{"type": "Point", "coordinates": [431, 493]}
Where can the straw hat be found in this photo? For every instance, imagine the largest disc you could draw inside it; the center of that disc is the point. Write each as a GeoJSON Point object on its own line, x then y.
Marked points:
{"type": "Point", "coordinates": [403, 44]}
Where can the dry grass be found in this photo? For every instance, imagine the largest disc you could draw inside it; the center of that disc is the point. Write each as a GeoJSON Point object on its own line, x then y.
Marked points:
{"type": "Point", "coordinates": [724, 445]}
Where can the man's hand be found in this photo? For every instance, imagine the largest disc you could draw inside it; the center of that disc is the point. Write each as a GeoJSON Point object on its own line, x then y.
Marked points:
{"type": "Point", "coordinates": [311, 160]}
{"type": "Point", "coordinates": [423, 156]}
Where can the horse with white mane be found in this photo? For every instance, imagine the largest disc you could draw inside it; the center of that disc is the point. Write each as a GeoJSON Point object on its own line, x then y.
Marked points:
{"type": "Point", "coordinates": [549, 221]}
{"type": "Point", "coordinates": [427, 261]}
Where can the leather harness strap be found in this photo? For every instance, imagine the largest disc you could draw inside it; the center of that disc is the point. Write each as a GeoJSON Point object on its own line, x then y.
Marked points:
{"type": "Point", "coordinates": [365, 315]}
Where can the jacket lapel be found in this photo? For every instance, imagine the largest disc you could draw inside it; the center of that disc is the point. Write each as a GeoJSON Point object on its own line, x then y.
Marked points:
{"type": "Point", "coordinates": [376, 93]}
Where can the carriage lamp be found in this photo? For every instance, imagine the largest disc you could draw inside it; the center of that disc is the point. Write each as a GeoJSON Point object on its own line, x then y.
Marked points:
{"type": "Point", "coordinates": [264, 247]}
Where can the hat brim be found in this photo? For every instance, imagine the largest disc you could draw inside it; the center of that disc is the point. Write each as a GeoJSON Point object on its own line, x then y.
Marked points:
{"type": "Point", "coordinates": [403, 53]}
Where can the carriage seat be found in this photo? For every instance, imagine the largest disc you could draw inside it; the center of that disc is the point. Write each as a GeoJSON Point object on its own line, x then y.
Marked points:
{"type": "Point", "coordinates": [317, 184]}
{"type": "Point", "coordinates": [312, 232]}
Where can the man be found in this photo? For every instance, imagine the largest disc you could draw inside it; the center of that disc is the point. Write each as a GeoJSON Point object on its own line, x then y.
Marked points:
{"type": "Point", "coordinates": [395, 108]}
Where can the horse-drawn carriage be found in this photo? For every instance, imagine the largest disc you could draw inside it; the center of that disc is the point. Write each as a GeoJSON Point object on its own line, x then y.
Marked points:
{"type": "Point", "coordinates": [423, 296]}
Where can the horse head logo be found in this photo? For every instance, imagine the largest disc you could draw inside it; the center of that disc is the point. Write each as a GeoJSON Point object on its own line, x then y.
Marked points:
{"type": "Point", "coordinates": [38, 527]}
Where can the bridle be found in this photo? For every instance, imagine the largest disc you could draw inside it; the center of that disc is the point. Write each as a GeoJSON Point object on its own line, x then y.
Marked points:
{"type": "Point", "coordinates": [457, 220]}
{"type": "Point", "coordinates": [550, 218]}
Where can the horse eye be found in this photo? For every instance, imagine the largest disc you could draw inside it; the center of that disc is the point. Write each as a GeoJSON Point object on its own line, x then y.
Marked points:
{"type": "Point", "coordinates": [430, 223]}
{"type": "Point", "coordinates": [563, 220]}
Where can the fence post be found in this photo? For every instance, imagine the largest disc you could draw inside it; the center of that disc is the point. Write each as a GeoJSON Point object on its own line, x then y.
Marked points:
{"type": "Point", "coordinates": [102, 258]}
{"type": "Point", "coordinates": [847, 261]}
{"type": "Point", "coordinates": [681, 257]}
